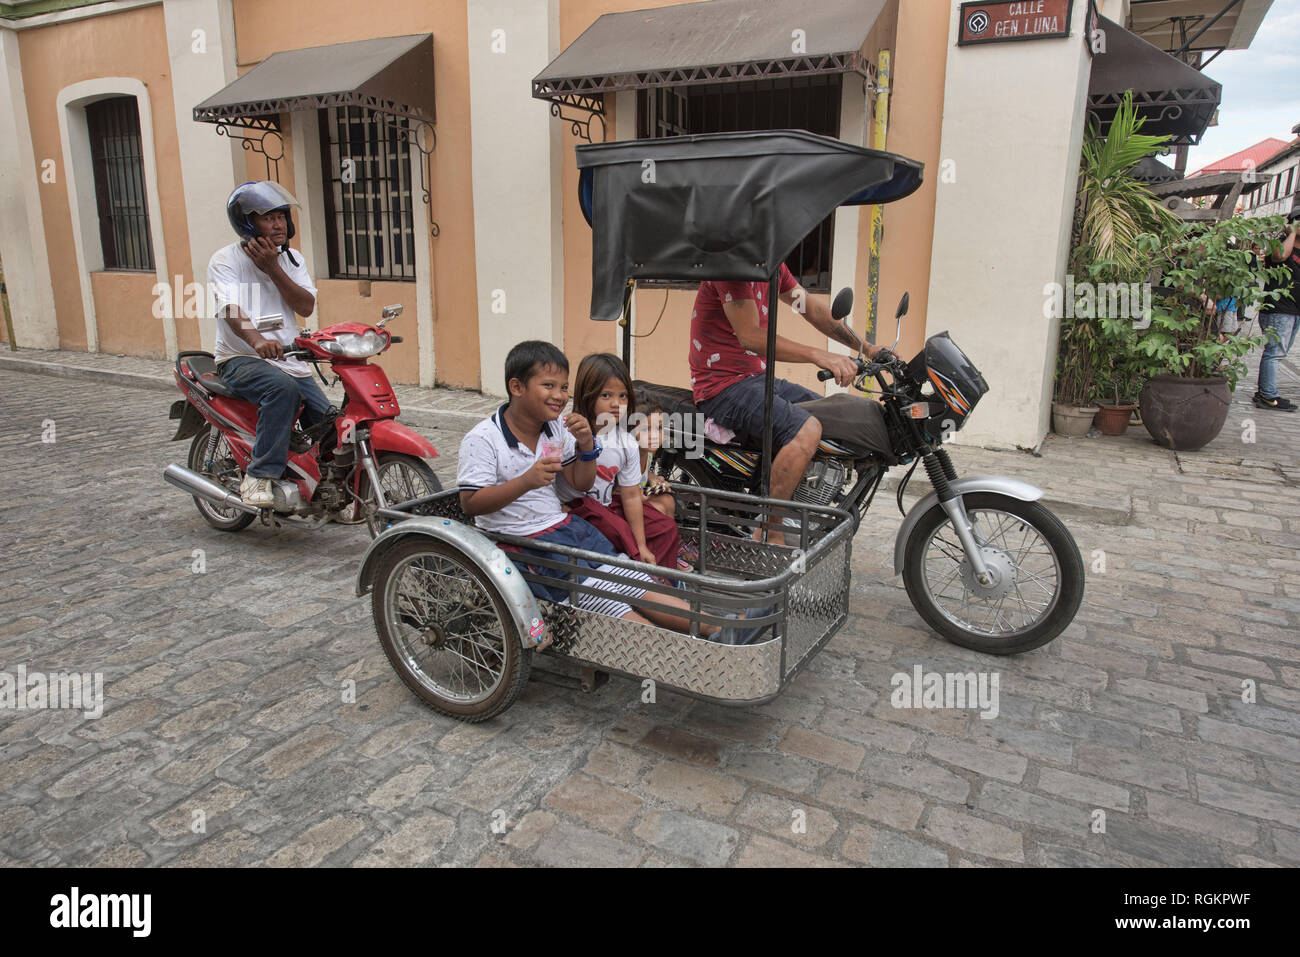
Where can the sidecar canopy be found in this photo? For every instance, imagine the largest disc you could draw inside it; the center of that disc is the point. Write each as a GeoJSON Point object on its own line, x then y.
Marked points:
{"type": "Point", "coordinates": [720, 205]}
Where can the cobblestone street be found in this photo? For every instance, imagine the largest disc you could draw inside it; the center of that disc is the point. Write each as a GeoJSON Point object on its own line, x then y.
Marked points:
{"type": "Point", "coordinates": [1162, 728]}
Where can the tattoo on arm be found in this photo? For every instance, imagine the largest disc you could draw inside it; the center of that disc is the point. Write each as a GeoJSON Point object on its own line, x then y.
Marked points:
{"type": "Point", "coordinates": [841, 334]}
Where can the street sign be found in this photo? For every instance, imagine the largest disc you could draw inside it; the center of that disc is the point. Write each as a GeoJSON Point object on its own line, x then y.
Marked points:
{"type": "Point", "coordinates": [1021, 20]}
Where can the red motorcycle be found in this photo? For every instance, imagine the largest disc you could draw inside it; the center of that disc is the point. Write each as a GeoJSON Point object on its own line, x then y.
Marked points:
{"type": "Point", "coordinates": [345, 468]}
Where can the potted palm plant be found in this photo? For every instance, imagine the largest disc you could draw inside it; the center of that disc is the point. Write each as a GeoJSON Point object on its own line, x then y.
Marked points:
{"type": "Point", "coordinates": [1191, 366]}
{"type": "Point", "coordinates": [1072, 409]}
{"type": "Point", "coordinates": [1112, 209]}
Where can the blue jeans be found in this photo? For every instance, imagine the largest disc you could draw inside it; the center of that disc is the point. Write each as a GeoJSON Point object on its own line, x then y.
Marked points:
{"type": "Point", "coordinates": [1280, 327]}
{"type": "Point", "coordinates": [277, 396]}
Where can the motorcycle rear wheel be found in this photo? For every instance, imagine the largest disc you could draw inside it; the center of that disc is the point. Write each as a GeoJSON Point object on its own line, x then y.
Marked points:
{"type": "Point", "coordinates": [684, 471]}
{"type": "Point", "coordinates": [1039, 575]}
{"type": "Point", "coordinates": [226, 473]}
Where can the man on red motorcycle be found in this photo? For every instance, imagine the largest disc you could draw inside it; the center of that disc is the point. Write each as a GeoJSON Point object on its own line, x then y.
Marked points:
{"type": "Point", "coordinates": [259, 287]}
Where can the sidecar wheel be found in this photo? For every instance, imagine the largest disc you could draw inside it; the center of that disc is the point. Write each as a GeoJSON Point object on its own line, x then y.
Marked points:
{"type": "Point", "coordinates": [446, 630]}
{"type": "Point", "coordinates": [1037, 570]}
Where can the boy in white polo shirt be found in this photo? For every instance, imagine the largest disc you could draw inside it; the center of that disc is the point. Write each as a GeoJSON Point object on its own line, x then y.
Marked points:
{"type": "Point", "coordinates": [508, 464]}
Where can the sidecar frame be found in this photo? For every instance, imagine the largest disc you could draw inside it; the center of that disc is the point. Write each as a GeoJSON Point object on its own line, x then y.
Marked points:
{"type": "Point", "coordinates": [802, 588]}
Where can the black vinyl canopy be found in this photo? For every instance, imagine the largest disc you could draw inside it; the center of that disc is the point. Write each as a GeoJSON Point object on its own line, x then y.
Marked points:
{"type": "Point", "coordinates": [1175, 99]}
{"type": "Point", "coordinates": [721, 205]}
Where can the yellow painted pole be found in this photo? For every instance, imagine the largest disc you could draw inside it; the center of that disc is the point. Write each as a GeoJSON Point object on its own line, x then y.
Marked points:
{"type": "Point", "coordinates": [879, 128]}
{"type": "Point", "coordinates": [9, 319]}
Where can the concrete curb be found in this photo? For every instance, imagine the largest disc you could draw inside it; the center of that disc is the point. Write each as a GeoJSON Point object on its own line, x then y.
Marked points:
{"type": "Point", "coordinates": [416, 416]}
{"type": "Point", "coordinates": [133, 380]}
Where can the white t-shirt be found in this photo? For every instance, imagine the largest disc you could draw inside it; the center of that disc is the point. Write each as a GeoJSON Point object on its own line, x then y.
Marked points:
{"type": "Point", "coordinates": [491, 455]}
{"type": "Point", "coordinates": [619, 464]}
{"type": "Point", "coordinates": [235, 280]}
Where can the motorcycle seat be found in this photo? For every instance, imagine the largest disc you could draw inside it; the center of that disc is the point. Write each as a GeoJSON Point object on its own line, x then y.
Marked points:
{"type": "Point", "coordinates": [680, 410]}
{"type": "Point", "coordinates": [201, 368]}
{"type": "Point", "coordinates": [855, 425]}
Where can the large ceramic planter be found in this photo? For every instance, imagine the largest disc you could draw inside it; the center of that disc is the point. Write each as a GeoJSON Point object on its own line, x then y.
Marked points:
{"type": "Point", "coordinates": [1113, 419]}
{"type": "Point", "coordinates": [1184, 414]}
{"type": "Point", "coordinates": [1071, 420]}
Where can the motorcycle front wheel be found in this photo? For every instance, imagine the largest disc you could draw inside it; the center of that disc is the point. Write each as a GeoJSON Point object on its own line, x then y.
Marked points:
{"type": "Point", "coordinates": [1035, 569]}
{"type": "Point", "coordinates": [402, 477]}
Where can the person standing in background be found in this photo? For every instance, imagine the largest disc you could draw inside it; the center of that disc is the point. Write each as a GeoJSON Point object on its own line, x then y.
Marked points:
{"type": "Point", "coordinates": [1278, 319]}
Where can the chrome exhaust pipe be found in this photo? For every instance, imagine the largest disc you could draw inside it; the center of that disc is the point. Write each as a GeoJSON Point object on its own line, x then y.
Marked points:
{"type": "Point", "coordinates": [190, 481]}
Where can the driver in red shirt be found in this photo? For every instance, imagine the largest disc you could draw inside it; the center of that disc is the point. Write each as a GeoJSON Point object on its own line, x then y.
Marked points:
{"type": "Point", "coordinates": [728, 342]}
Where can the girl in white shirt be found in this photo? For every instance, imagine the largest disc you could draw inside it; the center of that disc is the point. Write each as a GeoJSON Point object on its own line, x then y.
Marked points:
{"type": "Point", "coordinates": [616, 503]}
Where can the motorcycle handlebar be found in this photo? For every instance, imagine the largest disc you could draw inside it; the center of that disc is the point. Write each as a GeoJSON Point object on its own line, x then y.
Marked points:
{"type": "Point", "coordinates": [865, 368]}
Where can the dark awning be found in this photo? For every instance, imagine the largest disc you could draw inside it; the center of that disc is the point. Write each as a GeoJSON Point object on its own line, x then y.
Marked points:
{"type": "Point", "coordinates": [711, 42]}
{"type": "Point", "coordinates": [387, 74]}
{"type": "Point", "coordinates": [720, 205]}
{"type": "Point", "coordinates": [1151, 171]}
{"type": "Point", "coordinates": [1176, 99]}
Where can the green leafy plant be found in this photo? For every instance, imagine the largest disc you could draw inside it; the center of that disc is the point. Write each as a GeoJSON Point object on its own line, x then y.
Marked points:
{"type": "Point", "coordinates": [1112, 209]}
{"type": "Point", "coordinates": [1204, 265]}
{"type": "Point", "coordinates": [1121, 371]}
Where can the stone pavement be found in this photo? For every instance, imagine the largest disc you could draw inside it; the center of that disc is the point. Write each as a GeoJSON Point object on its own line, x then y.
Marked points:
{"type": "Point", "coordinates": [1163, 727]}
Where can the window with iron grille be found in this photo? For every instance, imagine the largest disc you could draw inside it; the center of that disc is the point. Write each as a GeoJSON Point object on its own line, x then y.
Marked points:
{"type": "Point", "coordinates": [368, 201]}
{"type": "Point", "coordinates": [809, 103]}
{"type": "Point", "coordinates": [120, 198]}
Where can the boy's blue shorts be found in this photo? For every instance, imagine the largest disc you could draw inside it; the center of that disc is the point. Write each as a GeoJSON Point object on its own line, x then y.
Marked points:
{"type": "Point", "coordinates": [579, 533]}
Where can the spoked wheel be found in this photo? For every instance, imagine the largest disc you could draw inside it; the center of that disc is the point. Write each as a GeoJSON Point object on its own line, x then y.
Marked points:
{"type": "Point", "coordinates": [225, 472]}
{"type": "Point", "coordinates": [1034, 565]}
{"type": "Point", "coordinates": [445, 628]}
{"type": "Point", "coordinates": [402, 477]}
{"type": "Point", "coordinates": [684, 471]}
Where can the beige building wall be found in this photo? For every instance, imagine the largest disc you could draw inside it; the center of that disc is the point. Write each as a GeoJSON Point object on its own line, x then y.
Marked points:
{"type": "Point", "coordinates": [518, 238]}
{"type": "Point", "coordinates": [662, 316]}
{"type": "Point", "coordinates": [915, 120]}
{"type": "Point", "coordinates": [129, 44]}
{"type": "Point", "coordinates": [1013, 125]}
{"type": "Point", "coordinates": [22, 222]}
{"type": "Point", "coordinates": [265, 28]}
{"type": "Point", "coordinates": [201, 50]}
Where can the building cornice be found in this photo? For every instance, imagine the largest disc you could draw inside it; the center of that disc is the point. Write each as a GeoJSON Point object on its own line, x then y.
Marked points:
{"type": "Point", "coordinates": [16, 16]}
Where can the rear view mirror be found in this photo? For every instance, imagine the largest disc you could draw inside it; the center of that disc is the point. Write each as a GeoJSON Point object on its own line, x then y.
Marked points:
{"type": "Point", "coordinates": [843, 303]}
{"type": "Point", "coordinates": [389, 313]}
{"type": "Point", "coordinates": [902, 311]}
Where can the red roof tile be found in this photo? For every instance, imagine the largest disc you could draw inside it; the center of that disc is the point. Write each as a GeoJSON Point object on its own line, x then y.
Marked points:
{"type": "Point", "coordinates": [1249, 158]}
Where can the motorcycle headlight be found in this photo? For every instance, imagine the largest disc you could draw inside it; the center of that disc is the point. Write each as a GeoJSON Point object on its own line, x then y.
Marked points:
{"type": "Point", "coordinates": [355, 346]}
